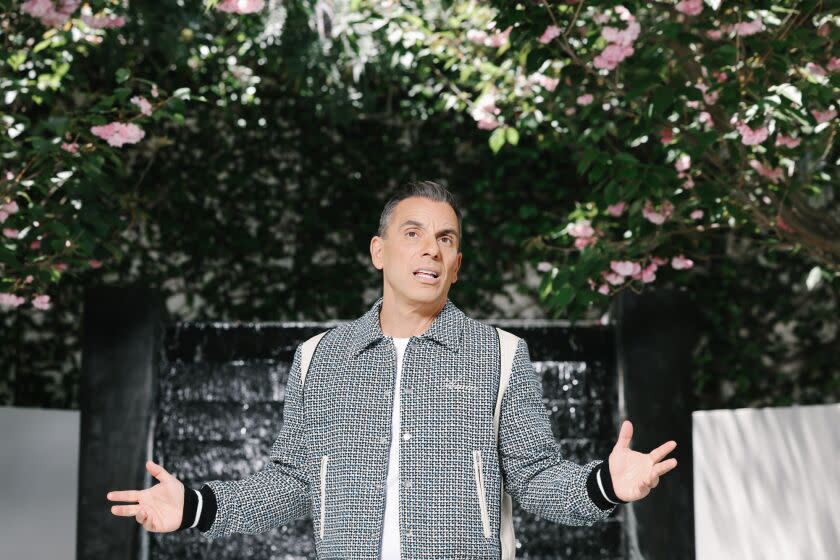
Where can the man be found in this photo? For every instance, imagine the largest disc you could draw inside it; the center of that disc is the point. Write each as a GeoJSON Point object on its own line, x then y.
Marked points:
{"type": "Point", "coordinates": [389, 444]}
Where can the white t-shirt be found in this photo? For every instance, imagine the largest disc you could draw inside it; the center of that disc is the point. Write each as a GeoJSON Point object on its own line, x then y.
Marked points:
{"type": "Point", "coordinates": [391, 524]}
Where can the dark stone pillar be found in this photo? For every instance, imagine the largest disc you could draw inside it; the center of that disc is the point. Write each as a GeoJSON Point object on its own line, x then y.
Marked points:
{"type": "Point", "coordinates": [121, 337]}
{"type": "Point", "coordinates": [656, 333]}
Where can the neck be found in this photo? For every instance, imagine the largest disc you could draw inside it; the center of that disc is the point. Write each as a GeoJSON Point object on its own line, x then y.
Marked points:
{"type": "Point", "coordinates": [403, 319]}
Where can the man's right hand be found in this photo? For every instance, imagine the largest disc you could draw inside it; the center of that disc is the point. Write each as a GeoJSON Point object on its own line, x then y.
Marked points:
{"type": "Point", "coordinates": [158, 509]}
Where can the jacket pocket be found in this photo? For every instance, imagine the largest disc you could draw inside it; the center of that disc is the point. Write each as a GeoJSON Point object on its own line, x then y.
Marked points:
{"type": "Point", "coordinates": [323, 508]}
{"type": "Point", "coordinates": [478, 471]}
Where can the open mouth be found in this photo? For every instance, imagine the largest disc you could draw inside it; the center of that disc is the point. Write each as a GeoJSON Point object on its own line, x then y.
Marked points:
{"type": "Point", "coordinates": [427, 276]}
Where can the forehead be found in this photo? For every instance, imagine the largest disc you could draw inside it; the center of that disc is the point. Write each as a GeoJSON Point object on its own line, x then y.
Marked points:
{"type": "Point", "coordinates": [425, 210]}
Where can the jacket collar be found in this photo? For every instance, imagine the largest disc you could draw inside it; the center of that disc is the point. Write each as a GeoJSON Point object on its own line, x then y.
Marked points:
{"type": "Point", "coordinates": [446, 328]}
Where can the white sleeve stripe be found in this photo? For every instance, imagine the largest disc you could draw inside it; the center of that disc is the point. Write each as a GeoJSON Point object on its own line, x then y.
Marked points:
{"type": "Point", "coordinates": [198, 509]}
{"type": "Point", "coordinates": [601, 487]}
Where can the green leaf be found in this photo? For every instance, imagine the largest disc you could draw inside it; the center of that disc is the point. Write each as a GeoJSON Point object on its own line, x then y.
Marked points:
{"type": "Point", "coordinates": [497, 140]}
{"type": "Point", "coordinates": [122, 75]}
{"type": "Point", "coordinates": [512, 136]}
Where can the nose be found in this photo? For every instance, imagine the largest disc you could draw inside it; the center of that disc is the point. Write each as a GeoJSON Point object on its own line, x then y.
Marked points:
{"type": "Point", "coordinates": [431, 249]}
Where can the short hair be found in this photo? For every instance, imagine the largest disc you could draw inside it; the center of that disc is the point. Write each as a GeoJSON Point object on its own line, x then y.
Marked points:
{"type": "Point", "coordinates": [426, 189]}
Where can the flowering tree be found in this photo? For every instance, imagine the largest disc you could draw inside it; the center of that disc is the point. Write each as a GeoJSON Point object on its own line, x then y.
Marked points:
{"type": "Point", "coordinates": [65, 196]}
{"type": "Point", "coordinates": [688, 120]}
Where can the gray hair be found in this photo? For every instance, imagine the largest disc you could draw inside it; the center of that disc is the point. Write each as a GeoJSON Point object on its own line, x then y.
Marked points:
{"type": "Point", "coordinates": [426, 189]}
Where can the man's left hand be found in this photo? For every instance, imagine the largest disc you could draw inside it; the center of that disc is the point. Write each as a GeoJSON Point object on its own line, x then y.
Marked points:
{"type": "Point", "coordinates": [633, 473]}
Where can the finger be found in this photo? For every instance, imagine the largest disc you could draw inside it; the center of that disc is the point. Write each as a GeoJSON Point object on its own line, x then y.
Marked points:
{"type": "Point", "coordinates": [124, 496]}
{"type": "Point", "coordinates": [654, 482]}
{"type": "Point", "coordinates": [625, 434]}
{"type": "Point", "coordinates": [140, 517]}
{"type": "Point", "coordinates": [125, 511]}
{"type": "Point", "coordinates": [157, 471]}
{"type": "Point", "coordinates": [659, 453]}
{"type": "Point", "coordinates": [661, 468]}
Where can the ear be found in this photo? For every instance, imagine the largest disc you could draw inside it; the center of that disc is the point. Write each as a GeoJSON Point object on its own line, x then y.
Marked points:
{"type": "Point", "coordinates": [457, 267]}
{"type": "Point", "coordinates": [376, 252]}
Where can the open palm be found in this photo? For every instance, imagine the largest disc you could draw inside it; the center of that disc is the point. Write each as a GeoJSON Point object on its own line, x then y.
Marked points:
{"type": "Point", "coordinates": [158, 509]}
{"type": "Point", "coordinates": [634, 474]}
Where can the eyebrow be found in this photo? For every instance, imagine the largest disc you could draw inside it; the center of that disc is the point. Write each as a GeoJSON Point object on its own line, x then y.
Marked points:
{"type": "Point", "coordinates": [418, 224]}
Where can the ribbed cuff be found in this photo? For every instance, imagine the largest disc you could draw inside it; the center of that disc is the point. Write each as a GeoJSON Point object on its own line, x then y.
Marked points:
{"type": "Point", "coordinates": [208, 509]}
{"type": "Point", "coordinates": [600, 488]}
{"type": "Point", "coordinates": [190, 508]}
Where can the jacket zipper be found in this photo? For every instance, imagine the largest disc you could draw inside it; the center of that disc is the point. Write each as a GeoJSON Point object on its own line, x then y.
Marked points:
{"type": "Point", "coordinates": [323, 491]}
{"type": "Point", "coordinates": [478, 469]}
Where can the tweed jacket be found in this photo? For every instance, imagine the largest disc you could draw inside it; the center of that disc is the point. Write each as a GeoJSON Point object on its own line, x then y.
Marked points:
{"type": "Point", "coordinates": [330, 459]}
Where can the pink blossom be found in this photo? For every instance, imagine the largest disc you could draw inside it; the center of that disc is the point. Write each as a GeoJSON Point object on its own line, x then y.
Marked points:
{"type": "Point", "coordinates": [70, 147]}
{"type": "Point", "coordinates": [488, 124]}
{"type": "Point", "coordinates": [787, 141]}
{"type": "Point", "coordinates": [824, 30]}
{"type": "Point", "coordinates": [48, 13]}
{"type": "Point", "coordinates": [101, 22]}
{"type": "Point", "coordinates": [746, 28]}
{"type": "Point", "coordinates": [719, 76]}
{"type": "Point", "coordinates": [613, 278]}
{"type": "Point", "coordinates": [240, 6]}
{"type": "Point", "coordinates": [824, 116]}
{"type": "Point", "coordinates": [833, 64]}
{"type": "Point", "coordinates": [773, 174]}
{"type": "Point", "coordinates": [143, 104]}
{"type": "Point", "coordinates": [647, 274]}
{"type": "Point", "coordinates": [477, 36]}
{"type": "Point", "coordinates": [815, 69]}
{"type": "Point", "coordinates": [750, 137]}
{"type": "Point", "coordinates": [585, 99]}
{"type": "Point", "coordinates": [11, 233]}
{"type": "Point", "coordinates": [611, 56]}
{"type": "Point", "coordinates": [549, 84]}
{"type": "Point", "coordinates": [117, 133]}
{"type": "Point", "coordinates": [544, 266]}
{"type": "Point", "coordinates": [582, 243]}
{"type": "Point", "coordinates": [94, 263]}
{"type": "Point", "coordinates": [616, 210]}
{"type": "Point", "coordinates": [680, 262]}
{"type": "Point", "coordinates": [35, 244]}
{"type": "Point", "coordinates": [714, 34]}
{"type": "Point", "coordinates": [41, 302]}
{"type": "Point", "coordinates": [551, 32]}
{"type": "Point", "coordinates": [600, 18]}
{"type": "Point", "coordinates": [688, 184]}
{"type": "Point", "coordinates": [10, 301]}
{"type": "Point", "coordinates": [604, 289]}
{"type": "Point", "coordinates": [499, 38]}
{"type": "Point", "coordinates": [569, 111]}
{"type": "Point", "coordinates": [690, 7]}
{"type": "Point", "coordinates": [683, 163]}
{"type": "Point", "coordinates": [666, 135]}
{"type": "Point", "coordinates": [624, 37]}
{"type": "Point", "coordinates": [704, 118]}
{"type": "Point", "coordinates": [657, 217]}
{"type": "Point", "coordinates": [3, 216]}
{"type": "Point", "coordinates": [659, 261]}
{"type": "Point", "coordinates": [696, 215]}
{"type": "Point", "coordinates": [710, 97]}
{"type": "Point", "coordinates": [10, 207]}
{"type": "Point", "coordinates": [154, 91]}
{"type": "Point", "coordinates": [581, 228]}
{"type": "Point", "coordinates": [625, 268]}
{"type": "Point", "coordinates": [28, 279]}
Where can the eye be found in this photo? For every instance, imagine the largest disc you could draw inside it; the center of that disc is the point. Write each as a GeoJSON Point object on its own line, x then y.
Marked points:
{"type": "Point", "coordinates": [448, 239]}
{"type": "Point", "coordinates": [410, 231]}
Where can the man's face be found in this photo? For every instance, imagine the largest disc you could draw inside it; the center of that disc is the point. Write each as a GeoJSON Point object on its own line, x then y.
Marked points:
{"type": "Point", "coordinates": [422, 234]}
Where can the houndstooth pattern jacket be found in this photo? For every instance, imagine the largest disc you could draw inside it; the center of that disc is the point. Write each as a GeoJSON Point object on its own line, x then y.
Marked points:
{"type": "Point", "coordinates": [330, 459]}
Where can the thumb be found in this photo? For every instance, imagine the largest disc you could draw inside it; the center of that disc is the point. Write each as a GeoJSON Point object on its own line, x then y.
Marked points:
{"type": "Point", "coordinates": [625, 434]}
{"type": "Point", "coordinates": [157, 471]}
